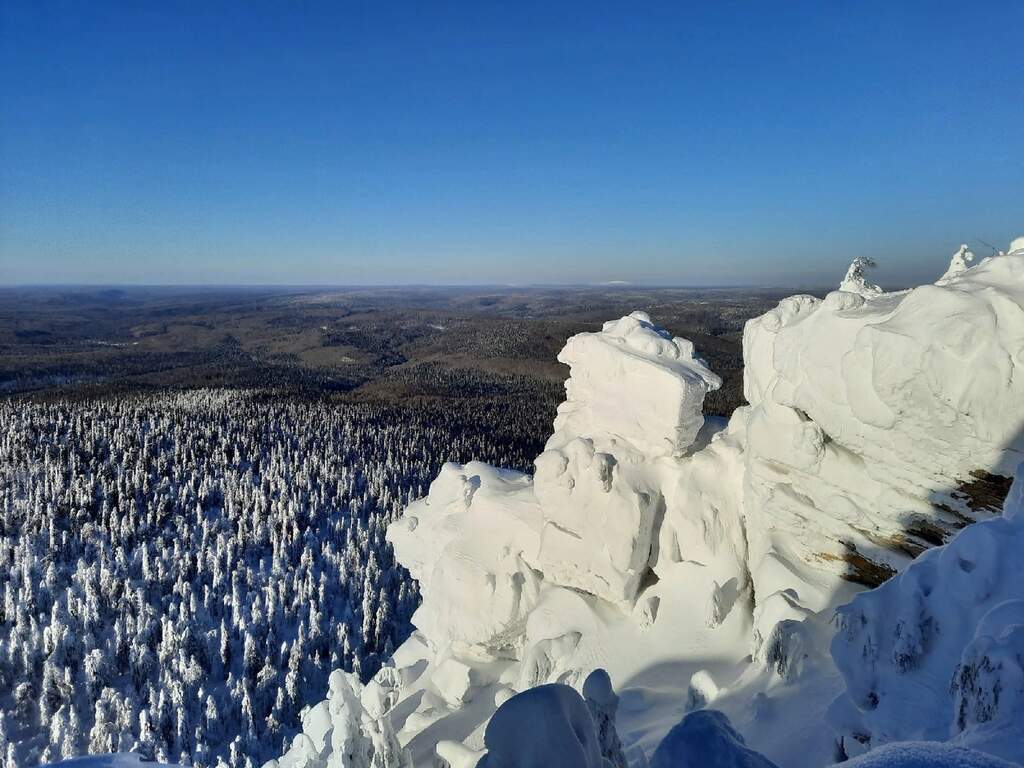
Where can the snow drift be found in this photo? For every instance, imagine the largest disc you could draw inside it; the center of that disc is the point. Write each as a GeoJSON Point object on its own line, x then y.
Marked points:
{"type": "Point", "coordinates": [700, 563]}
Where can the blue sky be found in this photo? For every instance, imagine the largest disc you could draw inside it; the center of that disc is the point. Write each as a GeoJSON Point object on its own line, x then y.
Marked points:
{"type": "Point", "coordinates": [477, 142]}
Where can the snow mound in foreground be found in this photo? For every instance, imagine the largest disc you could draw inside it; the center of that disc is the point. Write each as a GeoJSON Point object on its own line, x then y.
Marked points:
{"type": "Point", "coordinates": [926, 754]}
{"type": "Point", "coordinates": [700, 563]}
{"type": "Point", "coordinates": [561, 731]}
{"type": "Point", "coordinates": [706, 739]}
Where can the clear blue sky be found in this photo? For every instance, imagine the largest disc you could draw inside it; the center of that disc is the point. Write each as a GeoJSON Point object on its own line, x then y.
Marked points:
{"type": "Point", "coordinates": [691, 143]}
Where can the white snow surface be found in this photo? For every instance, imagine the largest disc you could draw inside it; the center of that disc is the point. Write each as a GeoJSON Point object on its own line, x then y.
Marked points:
{"type": "Point", "coordinates": [937, 653]}
{"type": "Point", "coordinates": [926, 754]}
{"type": "Point", "coordinates": [662, 411]}
{"type": "Point", "coordinates": [701, 563]}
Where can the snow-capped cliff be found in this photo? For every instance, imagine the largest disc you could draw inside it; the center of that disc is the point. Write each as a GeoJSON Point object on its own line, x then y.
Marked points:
{"type": "Point", "coordinates": [700, 563]}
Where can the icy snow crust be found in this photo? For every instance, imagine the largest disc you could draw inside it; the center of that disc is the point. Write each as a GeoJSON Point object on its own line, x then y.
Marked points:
{"type": "Point", "coordinates": [701, 563]}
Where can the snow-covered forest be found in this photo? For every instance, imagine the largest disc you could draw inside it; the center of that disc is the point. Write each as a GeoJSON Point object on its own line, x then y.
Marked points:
{"type": "Point", "coordinates": [182, 571]}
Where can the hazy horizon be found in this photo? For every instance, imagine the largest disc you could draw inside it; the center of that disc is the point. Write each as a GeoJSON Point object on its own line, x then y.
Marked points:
{"type": "Point", "coordinates": [327, 287]}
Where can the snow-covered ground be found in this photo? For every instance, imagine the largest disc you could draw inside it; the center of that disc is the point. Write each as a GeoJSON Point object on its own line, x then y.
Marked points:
{"type": "Point", "coordinates": [702, 564]}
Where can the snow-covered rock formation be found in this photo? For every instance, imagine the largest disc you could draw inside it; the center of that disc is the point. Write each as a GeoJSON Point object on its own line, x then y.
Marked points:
{"type": "Point", "coordinates": [879, 426]}
{"type": "Point", "coordinates": [700, 563]}
{"type": "Point", "coordinates": [937, 653]}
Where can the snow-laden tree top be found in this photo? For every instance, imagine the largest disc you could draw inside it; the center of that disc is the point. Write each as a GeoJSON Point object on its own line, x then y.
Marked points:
{"type": "Point", "coordinates": [856, 278]}
{"type": "Point", "coordinates": [958, 264]}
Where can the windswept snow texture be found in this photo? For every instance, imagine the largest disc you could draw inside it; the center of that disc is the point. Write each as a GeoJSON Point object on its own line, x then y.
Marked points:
{"type": "Point", "coordinates": [924, 754]}
{"type": "Point", "coordinates": [937, 653]}
{"type": "Point", "coordinates": [700, 563]}
{"type": "Point", "coordinates": [668, 383]}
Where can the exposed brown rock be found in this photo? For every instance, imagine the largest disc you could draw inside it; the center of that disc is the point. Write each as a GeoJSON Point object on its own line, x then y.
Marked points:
{"type": "Point", "coordinates": [984, 492]}
{"type": "Point", "coordinates": [861, 570]}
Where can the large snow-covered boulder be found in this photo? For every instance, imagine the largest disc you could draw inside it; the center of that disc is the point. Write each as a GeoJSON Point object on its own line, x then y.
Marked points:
{"type": "Point", "coordinates": [634, 394]}
{"type": "Point", "coordinates": [480, 539]}
{"type": "Point", "coordinates": [599, 511]}
{"type": "Point", "coordinates": [633, 381]}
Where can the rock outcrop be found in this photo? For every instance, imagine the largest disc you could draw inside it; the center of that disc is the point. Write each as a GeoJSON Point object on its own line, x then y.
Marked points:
{"type": "Point", "coordinates": [702, 561]}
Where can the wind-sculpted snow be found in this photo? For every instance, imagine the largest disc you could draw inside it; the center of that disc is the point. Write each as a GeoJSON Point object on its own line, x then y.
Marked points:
{"type": "Point", "coordinates": [926, 754]}
{"type": "Point", "coordinates": [483, 539]}
{"type": "Point", "coordinates": [700, 563]}
{"type": "Point", "coordinates": [937, 653]}
{"type": "Point", "coordinates": [465, 543]}
{"type": "Point", "coordinates": [878, 426]}
{"type": "Point", "coordinates": [634, 395]}
{"type": "Point", "coordinates": [661, 412]}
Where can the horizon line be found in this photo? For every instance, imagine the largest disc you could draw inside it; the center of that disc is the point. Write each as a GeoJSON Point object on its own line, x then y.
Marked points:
{"type": "Point", "coordinates": [609, 285]}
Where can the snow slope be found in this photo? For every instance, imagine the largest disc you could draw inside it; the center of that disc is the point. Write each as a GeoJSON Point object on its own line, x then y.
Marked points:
{"type": "Point", "coordinates": [700, 563]}
{"type": "Point", "coordinates": [937, 653]}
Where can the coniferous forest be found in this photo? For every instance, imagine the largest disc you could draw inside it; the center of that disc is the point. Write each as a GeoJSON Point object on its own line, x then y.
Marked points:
{"type": "Point", "coordinates": [184, 569]}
